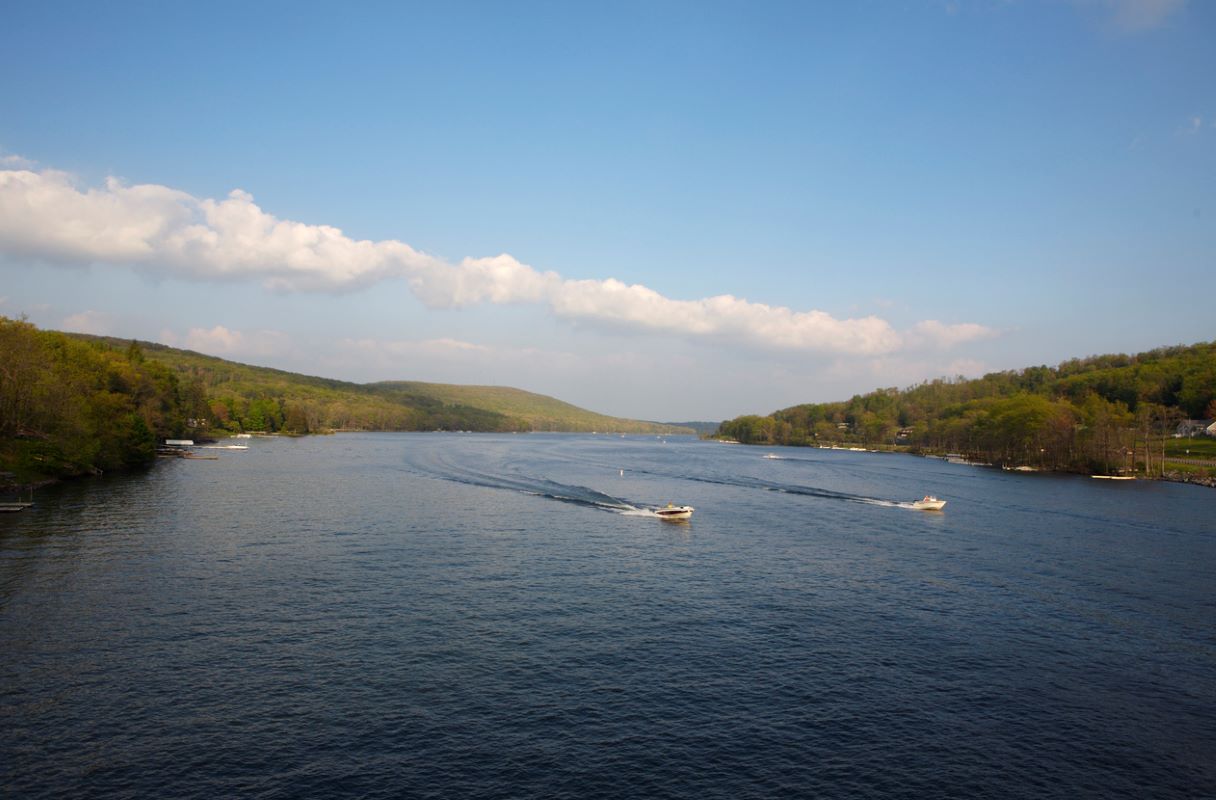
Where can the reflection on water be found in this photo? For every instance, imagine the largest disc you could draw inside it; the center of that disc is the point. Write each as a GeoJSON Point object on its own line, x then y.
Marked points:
{"type": "Point", "coordinates": [443, 615]}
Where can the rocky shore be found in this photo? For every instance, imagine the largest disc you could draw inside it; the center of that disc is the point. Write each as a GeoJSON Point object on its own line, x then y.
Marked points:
{"type": "Point", "coordinates": [1183, 477]}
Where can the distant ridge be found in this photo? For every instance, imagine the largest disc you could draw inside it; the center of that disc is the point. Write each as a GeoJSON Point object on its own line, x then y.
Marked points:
{"type": "Point", "coordinates": [541, 412]}
{"type": "Point", "coordinates": [703, 428]}
{"type": "Point", "coordinates": [247, 397]}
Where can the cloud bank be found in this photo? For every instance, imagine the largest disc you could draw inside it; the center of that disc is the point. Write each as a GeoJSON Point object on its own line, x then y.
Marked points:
{"type": "Point", "coordinates": [46, 216]}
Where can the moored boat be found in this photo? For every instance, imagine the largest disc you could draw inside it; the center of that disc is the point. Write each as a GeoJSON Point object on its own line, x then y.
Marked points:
{"type": "Point", "coordinates": [673, 513]}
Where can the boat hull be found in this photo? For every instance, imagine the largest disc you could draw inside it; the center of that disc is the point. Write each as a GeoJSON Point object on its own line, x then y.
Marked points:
{"type": "Point", "coordinates": [675, 513]}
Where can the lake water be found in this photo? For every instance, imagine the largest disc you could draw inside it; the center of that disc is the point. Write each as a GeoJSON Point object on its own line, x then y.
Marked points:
{"type": "Point", "coordinates": [485, 616]}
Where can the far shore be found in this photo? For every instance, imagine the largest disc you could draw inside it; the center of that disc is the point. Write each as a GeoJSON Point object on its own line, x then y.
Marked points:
{"type": "Point", "coordinates": [9, 486]}
{"type": "Point", "coordinates": [1169, 476]}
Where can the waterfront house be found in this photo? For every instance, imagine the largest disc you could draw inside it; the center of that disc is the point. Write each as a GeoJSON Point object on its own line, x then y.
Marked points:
{"type": "Point", "coordinates": [1195, 427]}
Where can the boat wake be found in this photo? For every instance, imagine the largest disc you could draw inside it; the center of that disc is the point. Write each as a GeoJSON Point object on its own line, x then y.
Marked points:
{"type": "Point", "coordinates": [752, 482]}
{"type": "Point", "coordinates": [539, 487]}
{"type": "Point", "coordinates": [811, 491]}
{"type": "Point", "coordinates": [775, 457]}
{"type": "Point", "coordinates": [509, 475]}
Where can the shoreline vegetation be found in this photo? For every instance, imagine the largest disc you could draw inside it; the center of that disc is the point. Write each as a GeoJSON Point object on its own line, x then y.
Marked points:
{"type": "Point", "coordinates": [74, 405]}
{"type": "Point", "coordinates": [1205, 475]}
{"type": "Point", "coordinates": [1111, 415]}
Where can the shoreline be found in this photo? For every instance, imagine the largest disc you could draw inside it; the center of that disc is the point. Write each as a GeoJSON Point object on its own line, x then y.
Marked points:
{"type": "Point", "coordinates": [1208, 481]}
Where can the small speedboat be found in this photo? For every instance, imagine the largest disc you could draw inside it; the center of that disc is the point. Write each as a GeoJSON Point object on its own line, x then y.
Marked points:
{"type": "Point", "coordinates": [674, 513]}
{"type": "Point", "coordinates": [929, 503]}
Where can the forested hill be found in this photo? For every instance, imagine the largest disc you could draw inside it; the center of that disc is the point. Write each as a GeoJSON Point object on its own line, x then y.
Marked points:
{"type": "Point", "coordinates": [247, 398]}
{"type": "Point", "coordinates": [72, 403]}
{"type": "Point", "coordinates": [538, 412]}
{"type": "Point", "coordinates": [1086, 413]}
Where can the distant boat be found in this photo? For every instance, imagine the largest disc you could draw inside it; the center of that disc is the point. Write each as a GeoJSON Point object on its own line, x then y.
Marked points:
{"type": "Point", "coordinates": [674, 513]}
{"type": "Point", "coordinates": [1114, 477]}
{"type": "Point", "coordinates": [929, 503]}
{"type": "Point", "coordinates": [771, 455]}
{"type": "Point", "coordinates": [242, 436]}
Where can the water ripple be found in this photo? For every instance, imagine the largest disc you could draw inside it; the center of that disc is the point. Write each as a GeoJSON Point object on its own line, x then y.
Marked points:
{"type": "Point", "coordinates": [323, 617]}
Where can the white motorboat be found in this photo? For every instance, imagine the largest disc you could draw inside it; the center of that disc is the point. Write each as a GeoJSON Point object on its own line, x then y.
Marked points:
{"type": "Point", "coordinates": [929, 503]}
{"type": "Point", "coordinates": [674, 513]}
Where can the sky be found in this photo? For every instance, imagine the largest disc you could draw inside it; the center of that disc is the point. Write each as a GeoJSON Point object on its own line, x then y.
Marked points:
{"type": "Point", "coordinates": [659, 210]}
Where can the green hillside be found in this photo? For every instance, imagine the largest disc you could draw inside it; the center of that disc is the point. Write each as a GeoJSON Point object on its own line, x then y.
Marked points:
{"type": "Point", "coordinates": [249, 398]}
{"type": "Point", "coordinates": [241, 397]}
{"type": "Point", "coordinates": [1098, 414]}
{"type": "Point", "coordinates": [541, 413]}
{"type": "Point", "coordinates": [76, 404]}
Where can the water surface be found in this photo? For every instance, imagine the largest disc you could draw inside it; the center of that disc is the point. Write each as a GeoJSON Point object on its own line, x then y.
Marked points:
{"type": "Point", "coordinates": [425, 615]}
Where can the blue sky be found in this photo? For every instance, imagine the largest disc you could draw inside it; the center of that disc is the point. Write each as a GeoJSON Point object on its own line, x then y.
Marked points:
{"type": "Point", "coordinates": [658, 210]}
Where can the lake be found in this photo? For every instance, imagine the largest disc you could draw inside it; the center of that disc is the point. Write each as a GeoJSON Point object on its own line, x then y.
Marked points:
{"type": "Point", "coordinates": [495, 616]}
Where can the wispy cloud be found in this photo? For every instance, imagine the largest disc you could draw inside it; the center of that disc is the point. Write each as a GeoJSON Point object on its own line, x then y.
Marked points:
{"type": "Point", "coordinates": [596, 375]}
{"type": "Point", "coordinates": [12, 161]}
{"type": "Point", "coordinates": [399, 348]}
{"type": "Point", "coordinates": [46, 216]}
{"type": "Point", "coordinates": [902, 371]}
{"type": "Point", "coordinates": [223, 341]}
{"type": "Point", "coordinates": [97, 323]}
{"type": "Point", "coordinates": [1132, 16]}
{"type": "Point", "coordinates": [932, 333]}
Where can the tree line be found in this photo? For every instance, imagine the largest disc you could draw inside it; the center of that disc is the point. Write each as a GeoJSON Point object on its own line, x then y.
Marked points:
{"type": "Point", "coordinates": [1102, 413]}
{"type": "Point", "coordinates": [74, 404]}
{"type": "Point", "coordinates": [70, 407]}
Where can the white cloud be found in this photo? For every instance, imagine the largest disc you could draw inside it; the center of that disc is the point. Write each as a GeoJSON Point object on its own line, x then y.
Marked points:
{"type": "Point", "coordinates": [44, 215]}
